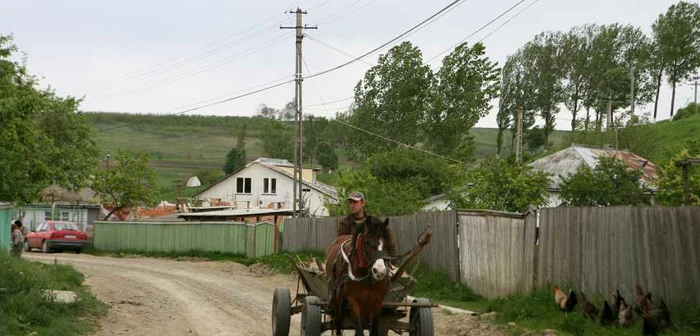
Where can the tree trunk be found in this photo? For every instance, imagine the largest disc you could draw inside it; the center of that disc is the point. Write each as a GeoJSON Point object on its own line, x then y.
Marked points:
{"type": "Point", "coordinates": [658, 89]}
{"type": "Point", "coordinates": [113, 211]}
{"type": "Point", "coordinates": [588, 118]}
{"type": "Point", "coordinates": [499, 141]}
{"type": "Point", "coordinates": [673, 98]}
{"type": "Point", "coordinates": [575, 111]}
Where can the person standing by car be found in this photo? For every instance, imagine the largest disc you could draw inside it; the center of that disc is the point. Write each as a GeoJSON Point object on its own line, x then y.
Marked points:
{"type": "Point", "coordinates": [17, 239]}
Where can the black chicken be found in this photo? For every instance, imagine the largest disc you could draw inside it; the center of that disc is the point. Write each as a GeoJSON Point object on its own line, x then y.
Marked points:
{"type": "Point", "coordinates": [607, 317]}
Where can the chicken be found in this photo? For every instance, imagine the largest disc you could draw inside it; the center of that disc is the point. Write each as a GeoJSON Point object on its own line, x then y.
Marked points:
{"type": "Point", "coordinates": [625, 314]}
{"type": "Point", "coordinates": [617, 299]}
{"type": "Point", "coordinates": [606, 315]}
{"type": "Point", "coordinates": [663, 316]}
{"type": "Point", "coordinates": [651, 325]}
{"type": "Point", "coordinates": [559, 297]}
{"type": "Point", "coordinates": [588, 308]}
{"type": "Point", "coordinates": [565, 302]}
{"type": "Point", "coordinates": [641, 299]}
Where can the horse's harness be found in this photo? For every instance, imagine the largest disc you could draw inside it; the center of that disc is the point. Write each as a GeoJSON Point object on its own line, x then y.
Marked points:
{"type": "Point", "coordinates": [363, 258]}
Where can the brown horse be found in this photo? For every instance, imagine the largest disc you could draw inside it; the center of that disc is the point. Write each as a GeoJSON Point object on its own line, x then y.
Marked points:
{"type": "Point", "coordinates": [359, 275]}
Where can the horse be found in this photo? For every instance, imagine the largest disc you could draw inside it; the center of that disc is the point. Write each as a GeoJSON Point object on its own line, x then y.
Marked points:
{"type": "Point", "coordinates": [358, 275]}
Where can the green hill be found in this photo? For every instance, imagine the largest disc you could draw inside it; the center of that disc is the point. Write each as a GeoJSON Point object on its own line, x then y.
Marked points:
{"type": "Point", "coordinates": [180, 145]}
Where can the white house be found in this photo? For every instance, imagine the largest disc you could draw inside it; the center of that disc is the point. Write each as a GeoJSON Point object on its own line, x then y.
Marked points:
{"type": "Point", "coordinates": [268, 183]}
{"type": "Point", "coordinates": [82, 214]}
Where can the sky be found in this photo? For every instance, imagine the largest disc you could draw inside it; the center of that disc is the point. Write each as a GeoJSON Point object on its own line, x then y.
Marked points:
{"type": "Point", "coordinates": [168, 56]}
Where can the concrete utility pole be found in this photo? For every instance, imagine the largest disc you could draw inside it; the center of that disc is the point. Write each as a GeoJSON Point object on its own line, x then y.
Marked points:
{"type": "Point", "coordinates": [519, 138]}
{"type": "Point", "coordinates": [697, 78]}
{"type": "Point", "coordinates": [298, 116]}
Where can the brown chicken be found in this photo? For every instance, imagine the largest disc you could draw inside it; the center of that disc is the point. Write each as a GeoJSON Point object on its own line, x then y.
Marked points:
{"type": "Point", "coordinates": [588, 308]}
{"type": "Point", "coordinates": [651, 325]}
{"type": "Point", "coordinates": [559, 297]}
{"type": "Point", "coordinates": [606, 315]}
{"type": "Point", "coordinates": [617, 300]}
{"type": "Point", "coordinates": [625, 314]}
{"type": "Point", "coordinates": [641, 299]}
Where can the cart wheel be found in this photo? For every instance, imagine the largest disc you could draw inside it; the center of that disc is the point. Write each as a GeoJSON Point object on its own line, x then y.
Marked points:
{"type": "Point", "coordinates": [281, 312]}
{"type": "Point", "coordinates": [421, 319]}
{"type": "Point", "coordinates": [310, 317]}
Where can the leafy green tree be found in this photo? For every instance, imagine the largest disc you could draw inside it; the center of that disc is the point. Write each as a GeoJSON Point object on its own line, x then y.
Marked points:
{"type": "Point", "coordinates": [391, 100]}
{"type": "Point", "coordinates": [535, 138]}
{"type": "Point", "coordinates": [326, 156]}
{"type": "Point", "coordinates": [463, 89]}
{"type": "Point", "coordinates": [315, 134]}
{"type": "Point", "coordinates": [44, 140]}
{"type": "Point", "coordinates": [575, 50]}
{"type": "Point", "coordinates": [687, 111]}
{"type": "Point", "coordinates": [383, 198]}
{"type": "Point", "coordinates": [127, 182]}
{"type": "Point", "coordinates": [671, 183]}
{"type": "Point", "coordinates": [236, 157]}
{"type": "Point", "coordinates": [610, 183]}
{"type": "Point", "coordinates": [429, 175]}
{"type": "Point", "coordinates": [677, 33]}
{"type": "Point", "coordinates": [515, 94]}
{"type": "Point", "coordinates": [499, 185]}
{"type": "Point", "coordinates": [277, 141]}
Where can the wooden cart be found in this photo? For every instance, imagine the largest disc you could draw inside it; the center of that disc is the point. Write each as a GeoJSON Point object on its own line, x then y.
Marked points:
{"type": "Point", "coordinates": [312, 297]}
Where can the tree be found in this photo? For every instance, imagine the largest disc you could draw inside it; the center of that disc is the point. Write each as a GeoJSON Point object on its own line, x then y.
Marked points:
{"type": "Point", "coordinates": [236, 157]}
{"type": "Point", "coordinates": [266, 111]}
{"type": "Point", "coordinates": [314, 135]}
{"type": "Point", "coordinates": [44, 139]}
{"type": "Point", "coordinates": [575, 51]}
{"type": "Point", "coordinates": [208, 176]}
{"type": "Point", "coordinates": [535, 138]}
{"type": "Point", "coordinates": [515, 95]}
{"type": "Point", "coordinates": [610, 183]}
{"type": "Point", "coordinates": [677, 34]}
{"type": "Point", "coordinates": [542, 54]}
{"type": "Point", "coordinates": [687, 111]}
{"type": "Point", "coordinates": [463, 89]}
{"type": "Point", "coordinates": [129, 181]}
{"type": "Point", "coordinates": [326, 156]}
{"type": "Point", "coordinates": [498, 185]}
{"type": "Point", "coordinates": [671, 190]}
{"type": "Point", "coordinates": [277, 140]}
{"type": "Point", "coordinates": [383, 198]}
{"type": "Point", "coordinates": [391, 100]}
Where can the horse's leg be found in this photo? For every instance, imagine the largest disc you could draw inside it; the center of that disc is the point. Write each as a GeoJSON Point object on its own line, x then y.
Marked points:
{"type": "Point", "coordinates": [356, 313]}
{"type": "Point", "coordinates": [339, 316]}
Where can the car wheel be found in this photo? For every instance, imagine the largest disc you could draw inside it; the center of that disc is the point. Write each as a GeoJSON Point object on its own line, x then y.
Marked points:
{"type": "Point", "coordinates": [45, 247]}
{"type": "Point", "coordinates": [27, 248]}
{"type": "Point", "coordinates": [79, 251]}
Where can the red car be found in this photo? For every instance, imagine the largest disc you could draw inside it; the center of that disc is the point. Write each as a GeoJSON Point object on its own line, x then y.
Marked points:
{"type": "Point", "coordinates": [56, 235]}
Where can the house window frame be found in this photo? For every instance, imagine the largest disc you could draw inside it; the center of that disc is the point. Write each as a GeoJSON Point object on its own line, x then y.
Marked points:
{"type": "Point", "coordinates": [269, 186]}
{"type": "Point", "coordinates": [246, 188]}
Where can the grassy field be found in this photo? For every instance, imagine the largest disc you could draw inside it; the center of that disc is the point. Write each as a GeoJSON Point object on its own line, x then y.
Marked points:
{"type": "Point", "coordinates": [24, 310]}
{"type": "Point", "coordinates": [179, 146]}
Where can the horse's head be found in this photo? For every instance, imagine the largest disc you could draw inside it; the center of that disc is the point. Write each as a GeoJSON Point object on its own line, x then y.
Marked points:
{"type": "Point", "coordinates": [369, 242]}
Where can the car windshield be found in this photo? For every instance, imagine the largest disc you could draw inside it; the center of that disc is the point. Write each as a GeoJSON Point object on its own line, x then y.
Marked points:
{"type": "Point", "coordinates": [66, 226]}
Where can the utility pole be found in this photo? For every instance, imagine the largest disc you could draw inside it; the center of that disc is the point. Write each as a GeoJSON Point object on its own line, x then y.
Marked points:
{"type": "Point", "coordinates": [610, 117]}
{"type": "Point", "coordinates": [697, 78]}
{"type": "Point", "coordinates": [632, 89]}
{"type": "Point", "coordinates": [519, 138]}
{"type": "Point", "coordinates": [298, 116]}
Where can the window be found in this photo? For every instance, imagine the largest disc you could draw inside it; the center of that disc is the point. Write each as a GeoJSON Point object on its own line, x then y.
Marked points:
{"type": "Point", "coordinates": [269, 185]}
{"type": "Point", "coordinates": [65, 216]}
{"type": "Point", "coordinates": [47, 215]}
{"type": "Point", "coordinates": [243, 185]}
{"type": "Point", "coordinates": [66, 226]}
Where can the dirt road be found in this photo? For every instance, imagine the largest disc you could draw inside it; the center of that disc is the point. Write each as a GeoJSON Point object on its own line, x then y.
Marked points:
{"type": "Point", "coordinates": [167, 297]}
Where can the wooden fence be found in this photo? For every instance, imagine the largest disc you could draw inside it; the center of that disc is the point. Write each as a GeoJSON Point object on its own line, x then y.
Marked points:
{"type": "Point", "coordinates": [497, 252]}
{"type": "Point", "coordinates": [599, 250]}
{"type": "Point", "coordinates": [252, 240]}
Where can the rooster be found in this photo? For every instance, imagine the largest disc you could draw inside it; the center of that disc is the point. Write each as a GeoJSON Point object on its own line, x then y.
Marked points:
{"type": "Point", "coordinates": [641, 299]}
{"type": "Point", "coordinates": [565, 302]}
{"type": "Point", "coordinates": [606, 315]}
{"type": "Point", "coordinates": [588, 308]}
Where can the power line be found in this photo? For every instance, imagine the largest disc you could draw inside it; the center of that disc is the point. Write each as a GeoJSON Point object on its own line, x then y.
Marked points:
{"type": "Point", "coordinates": [477, 31]}
{"type": "Point", "coordinates": [194, 72]}
{"type": "Point", "coordinates": [331, 102]}
{"type": "Point", "coordinates": [324, 44]}
{"type": "Point", "coordinates": [339, 14]}
{"type": "Point", "coordinates": [409, 31]}
{"type": "Point", "coordinates": [507, 21]}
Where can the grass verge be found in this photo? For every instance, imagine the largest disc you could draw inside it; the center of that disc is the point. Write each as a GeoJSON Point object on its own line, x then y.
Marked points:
{"type": "Point", "coordinates": [25, 309]}
{"type": "Point", "coordinates": [537, 311]}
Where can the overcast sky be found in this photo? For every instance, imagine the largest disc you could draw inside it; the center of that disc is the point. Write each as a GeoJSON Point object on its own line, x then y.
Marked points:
{"type": "Point", "coordinates": [163, 56]}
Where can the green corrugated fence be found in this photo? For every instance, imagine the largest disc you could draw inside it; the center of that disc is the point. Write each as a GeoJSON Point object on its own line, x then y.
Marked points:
{"type": "Point", "coordinates": [253, 240]}
{"type": "Point", "coordinates": [6, 211]}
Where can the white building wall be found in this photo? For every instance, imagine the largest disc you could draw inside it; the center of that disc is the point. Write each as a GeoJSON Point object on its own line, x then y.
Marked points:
{"type": "Point", "coordinates": [437, 205]}
{"type": "Point", "coordinates": [35, 216]}
{"type": "Point", "coordinates": [226, 191]}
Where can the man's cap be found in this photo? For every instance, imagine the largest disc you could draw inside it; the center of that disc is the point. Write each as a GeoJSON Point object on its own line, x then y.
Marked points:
{"type": "Point", "coordinates": [356, 196]}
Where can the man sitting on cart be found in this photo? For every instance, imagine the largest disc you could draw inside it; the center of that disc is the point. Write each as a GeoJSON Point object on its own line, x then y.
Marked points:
{"type": "Point", "coordinates": [356, 203]}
